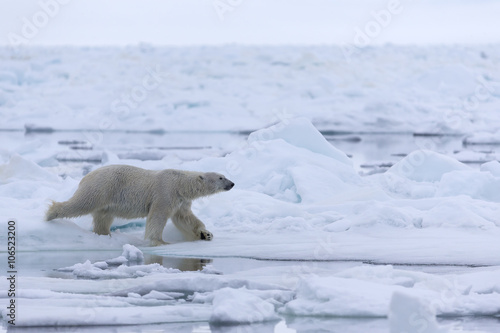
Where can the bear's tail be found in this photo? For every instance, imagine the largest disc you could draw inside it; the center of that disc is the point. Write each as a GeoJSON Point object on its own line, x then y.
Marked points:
{"type": "Point", "coordinates": [54, 211]}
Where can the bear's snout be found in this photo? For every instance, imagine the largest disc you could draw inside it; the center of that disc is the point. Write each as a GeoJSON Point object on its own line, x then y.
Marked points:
{"type": "Point", "coordinates": [229, 186]}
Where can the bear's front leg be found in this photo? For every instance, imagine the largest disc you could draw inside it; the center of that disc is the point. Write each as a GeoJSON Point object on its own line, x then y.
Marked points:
{"type": "Point", "coordinates": [190, 225]}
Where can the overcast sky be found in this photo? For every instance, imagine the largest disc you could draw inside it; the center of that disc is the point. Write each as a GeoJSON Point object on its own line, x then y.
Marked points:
{"type": "Point", "coordinates": [197, 22]}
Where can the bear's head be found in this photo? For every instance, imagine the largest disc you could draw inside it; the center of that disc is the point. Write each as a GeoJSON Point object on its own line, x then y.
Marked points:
{"type": "Point", "coordinates": [215, 182]}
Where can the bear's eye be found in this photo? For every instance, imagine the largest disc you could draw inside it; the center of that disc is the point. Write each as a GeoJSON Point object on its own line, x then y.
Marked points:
{"type": "Point", "coordinates": [220, 178]}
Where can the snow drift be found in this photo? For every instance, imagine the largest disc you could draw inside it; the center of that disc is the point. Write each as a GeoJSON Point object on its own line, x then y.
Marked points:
{"type": "Point", "coordinates": [296, 197]}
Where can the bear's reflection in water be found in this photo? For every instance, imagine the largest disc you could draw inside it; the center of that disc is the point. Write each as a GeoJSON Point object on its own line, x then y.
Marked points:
{"type": "Point", "coordinates": [182, 264]}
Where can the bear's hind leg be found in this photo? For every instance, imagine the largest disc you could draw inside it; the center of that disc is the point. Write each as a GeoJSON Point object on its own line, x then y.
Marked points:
{"type": "Point", "coordinates": [102, 221]}
{"type": "Point", "coordinates": [155, 223]}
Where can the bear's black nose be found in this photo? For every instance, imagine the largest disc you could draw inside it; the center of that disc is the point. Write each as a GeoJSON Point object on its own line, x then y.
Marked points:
{"type": "Point", "coordinates": [229, 186]}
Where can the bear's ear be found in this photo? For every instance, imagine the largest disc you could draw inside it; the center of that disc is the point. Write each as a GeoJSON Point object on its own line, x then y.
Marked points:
{"type": "Point", "coordinates": [201, 177]}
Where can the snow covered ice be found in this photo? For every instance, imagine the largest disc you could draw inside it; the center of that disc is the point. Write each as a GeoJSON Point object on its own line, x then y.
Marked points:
{"type": "Point", "coordinates": [308, 234]}
{"type": "Point", "coordinates": [410, 314]}
{"type": "Point", "coordinates": [425, 89]}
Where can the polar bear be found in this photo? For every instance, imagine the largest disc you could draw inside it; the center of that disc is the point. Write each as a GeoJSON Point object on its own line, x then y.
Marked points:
{"type": "Point", "coordinates": [130, 192]}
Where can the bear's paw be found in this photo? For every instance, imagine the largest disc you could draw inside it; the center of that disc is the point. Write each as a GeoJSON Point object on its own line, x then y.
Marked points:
{"type": "Point", "coordinates": [206, 235]}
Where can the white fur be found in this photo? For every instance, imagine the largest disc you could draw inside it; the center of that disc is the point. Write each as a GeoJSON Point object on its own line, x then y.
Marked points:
{"type": "Point", "coordinates": [129, 192]}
